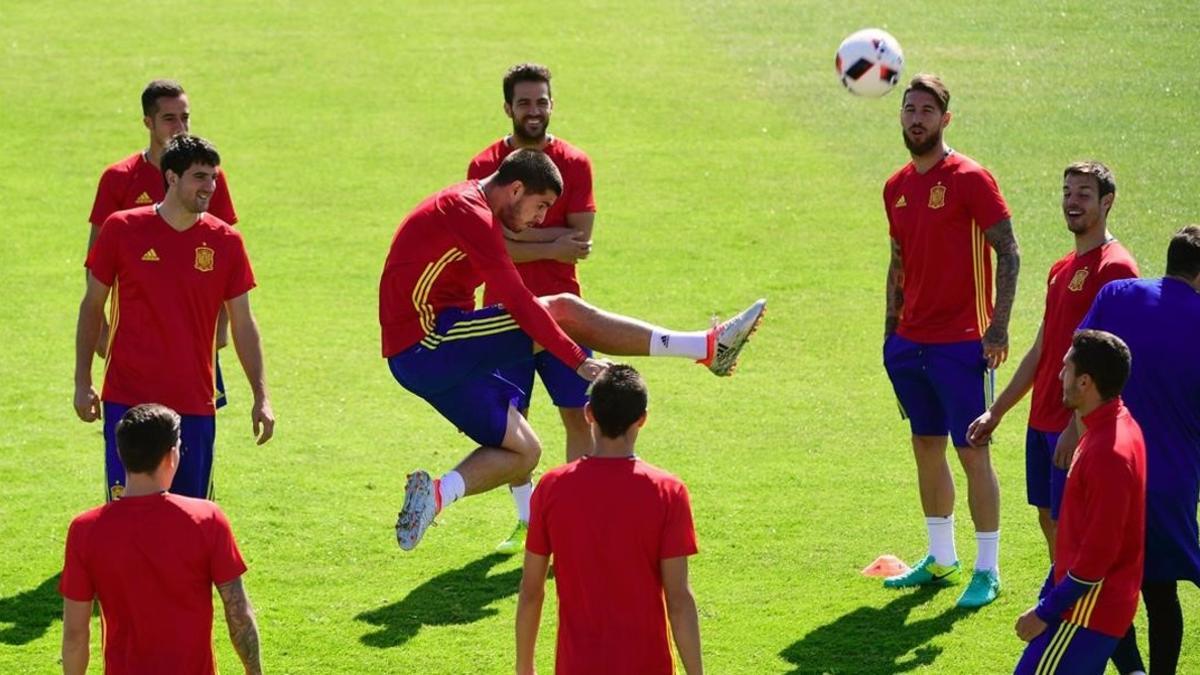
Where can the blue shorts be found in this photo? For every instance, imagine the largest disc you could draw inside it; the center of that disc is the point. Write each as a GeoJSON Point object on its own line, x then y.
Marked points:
{"type": "Point", "coordinates": [566, 388]}
{"type": "Point", "coordinates": [1067, 649]}
{"type": "Point", "coordinates": [940, 387]}
{"type": "Point", "coordinates": [455, 369]}
{"type": "Point", "coordinates": [1044, 482]}
{"type": "Point", "coordinates": [197, 434]}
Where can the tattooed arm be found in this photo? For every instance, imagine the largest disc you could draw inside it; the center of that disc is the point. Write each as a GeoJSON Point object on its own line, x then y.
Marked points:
{"type": "Point", "coordinates": [1008, 263]}
{"type": "Point", "coordinates": [243, 631]}
{"type": "Point", "coordinates": [895, 291]}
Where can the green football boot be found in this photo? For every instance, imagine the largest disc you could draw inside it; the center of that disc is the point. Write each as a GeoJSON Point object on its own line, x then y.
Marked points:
{"type": "Point", "coordinates": [926, 573]}
{"type": "Point", "coordinates": [516, 541]}
{"type": "Point", "coordinates": [984, 587]}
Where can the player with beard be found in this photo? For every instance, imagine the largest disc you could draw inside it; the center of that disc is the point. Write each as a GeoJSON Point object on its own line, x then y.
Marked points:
{"type": "Point", "coordinates": [1088, 193]}
{"type": "Point", "coordinates": [171, 267]}
{"type": "Point", "coordinates": [545, 256]}
{"type": "Point", "coordinates": [942, 332]}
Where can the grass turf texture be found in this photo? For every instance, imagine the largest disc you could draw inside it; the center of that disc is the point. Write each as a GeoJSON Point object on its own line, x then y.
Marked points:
{"type": "Point", "coordinates": [729, 164]}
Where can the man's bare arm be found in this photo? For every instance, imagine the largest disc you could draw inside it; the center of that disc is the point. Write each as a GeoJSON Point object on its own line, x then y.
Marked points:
{"type": "Point", "coordinates": [248, 344]}
{"type": "Point", "coordinates": [243, 631]}
{"type": "Point", "coordinates": [681, 611]}
{"type": "Point", "coordinates": [568, 244]}
{"type": "Point", "coordinates": [77, 617]}
{"type": "Point", "coordinates": [529, 609]}
{"type": "Point", "coordinates": [87, 333]}
{"type": "Point", "coordinates": [895, 291]}
{"type": "Point", "coordinates": [1008, 265]}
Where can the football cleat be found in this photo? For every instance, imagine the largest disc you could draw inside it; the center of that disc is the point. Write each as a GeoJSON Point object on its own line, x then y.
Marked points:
{"type": "Point", "coordinates": [516, 541]}
{"type": "Point", "coordinates": [926, 573]}
{"type": "Point", "coordinates": [420, 506]}
{"type": "Point", "coordinates": [726, 340]}
{"type": "Point", "coordinates": [983, 588]}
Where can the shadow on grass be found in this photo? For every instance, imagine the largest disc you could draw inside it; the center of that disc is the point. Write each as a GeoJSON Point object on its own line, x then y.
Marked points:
{"type": "Point", "coordinates": [28, 615]}
{"type": "Point", "coordinates": [456, 597]}
{"type": "Point", "coordinates": [874, 640]}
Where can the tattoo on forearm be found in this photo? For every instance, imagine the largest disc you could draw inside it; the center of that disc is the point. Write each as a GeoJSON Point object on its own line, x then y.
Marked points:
{"type": "Point", "coordinates": [243, 631]}
{"type": "Point", "coordinates": [895, 291]}
{"type": "Point", "coordinates": [1008, 264]}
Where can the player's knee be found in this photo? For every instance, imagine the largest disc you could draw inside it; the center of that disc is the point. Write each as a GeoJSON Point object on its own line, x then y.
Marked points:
{"type": "Point", "coordinates": [564, 308]}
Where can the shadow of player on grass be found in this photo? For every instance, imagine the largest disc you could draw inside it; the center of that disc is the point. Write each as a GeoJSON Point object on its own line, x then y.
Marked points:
{"type": "Point", "coordinates": [27, 616]}
{"type": "Point", "coordinates": [456, 597]}
{"type": "Point", "coordinates": [874, 640]}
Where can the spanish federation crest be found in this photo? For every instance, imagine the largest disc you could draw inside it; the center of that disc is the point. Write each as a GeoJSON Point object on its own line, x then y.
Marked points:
{"type": "Point", "coordinates": [204, 259]}
{"type": "Point", "coordinates": [937, 196]}
{"type": "Point", "coordinates": [1077, 280]}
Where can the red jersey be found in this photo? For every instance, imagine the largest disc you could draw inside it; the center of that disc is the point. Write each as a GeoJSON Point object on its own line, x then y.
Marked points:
{"type": "Point", "coordinates": [167, 288]}
{"type": "Point", "coordinates": [938, 218]}
{"type": "Point", "coordinates": [608, 523]}
{"type": "Point", "coordinates": [1102, 526]}
{"type": "Point", "coordinates": [440, 254]}
{"type": "Point", "coordinates": [152, 561]}
{"type": "Point", "coordinates": [134, 182]}
{"type": "Point", "coordinates": [1073, 283]}
{"type": "Point", "coordinates": [546, 277]}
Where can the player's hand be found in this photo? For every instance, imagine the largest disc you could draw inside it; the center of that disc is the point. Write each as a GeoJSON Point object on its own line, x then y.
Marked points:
{"type": "Point", "coordinates": [570, 248]}
{"type": "Point", "coordinates": [102, 341]}
{"type": "Point", "coordinates": [995, 346]}
{"type": "Point", "coordinates": [1029, 625]}
{"type": "Point", "coordinates": [87, 403]}
{"type": "Point", "coordinates": [1064, 451]}
{"type": "Point", "coordinates": [264, 420]}
{"type": "Point", "coordinates": [591, 368]}
{"type": "Point", "coordinates": [979, 433]}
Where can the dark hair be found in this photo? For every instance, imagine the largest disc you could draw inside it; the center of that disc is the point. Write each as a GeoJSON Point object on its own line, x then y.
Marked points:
{"type": "Point", "coordinates": [156, 90]}
{"type": "Point", "coordinates": [618, 399]}
{"type": "Point", "coordinates": [1104, 357]}
{"type": "Point", "coordinates": [184, 150]}
{"type": "Point", "coordinates": [145, 434]}
{"type": "Point", "coordinates": [533, 168]}
{"type": "Point", "coordinates": [1104, 176]}
{"type": "Point", "coordinates": [930, 84]}
{"type": "Point", "coordinates": [1183, 253]}
{"type": "Point", "coordinates": [524, 72]}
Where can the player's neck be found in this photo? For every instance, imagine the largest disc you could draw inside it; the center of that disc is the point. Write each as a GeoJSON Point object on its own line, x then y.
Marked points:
{"type": "Point", "coordinates": [1089, 405]}
{"type": "Point", "coordinates": [1089, 241]}
{"type": "Point", "coordinates": [517, 143]}
{"type": "Point", "coordinates": [142, 484]}
{"type": "Point", "coordinates": [613, 447]}
{"type": "Point", "coordinates": [153, 154]}
{"type": "Point", "coordinates": [1194, 282]}
{"type": "Point", "coordinates": [178, 217]}
{"type": "Point", "coordinates": [923, 163]}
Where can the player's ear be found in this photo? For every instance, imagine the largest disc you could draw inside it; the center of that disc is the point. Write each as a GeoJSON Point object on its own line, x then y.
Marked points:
{"type": "Point", "coordinates": [148, 122]}
{"type": "Point", "coordinates": [588, 414]}
{"type": "Point", "coordinates": [170, 176]}
{"type": "Point", "coordinates": [641, 421]}
{"type": "Point", "coordinates": [508, 109]}
{"type": "Point", "coordinates": [946, 119]}
{"type": "Point", "coordinates": [1106, 202]}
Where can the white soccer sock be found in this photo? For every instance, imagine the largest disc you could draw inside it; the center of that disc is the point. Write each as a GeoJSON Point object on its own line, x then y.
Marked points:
{"type": "Point", "coordinates": [688, 345]}
{"type": "Point", "coordinates": [941, 539]}
{"type": "Point", "coordinates": [521, 496]}
{"type": "Point", "coordinates": [988, 556]}
{"type": "Point", "coordinates": [452, 488]}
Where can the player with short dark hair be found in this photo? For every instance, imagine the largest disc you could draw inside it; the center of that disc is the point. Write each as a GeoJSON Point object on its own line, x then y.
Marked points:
{"type": "Point", "coordinates": [1091, 593]}
{"type": "Point", "coordinates": [138, 181]}
{"type": "Point", "coordinates": [941, 331]}
{"type": "Point", "coordinates": [443, 349]}
{"type": "Point", "coordinates": [172, 267]}
{"type": "Point", "coordinates": [151, 560]}
{"type": "Point", "coordinates": [619, 531]}
{"type": "Point", "coordinates": [1159, 319]}
{"type": "Point", "coordinates": [1074, 280]}
{"type": "Point", "coordinates": [546, 256]}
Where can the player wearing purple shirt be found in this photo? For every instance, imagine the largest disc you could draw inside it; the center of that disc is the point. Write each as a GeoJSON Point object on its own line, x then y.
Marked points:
{"type": "Point", "coordinates": [1160, 321]}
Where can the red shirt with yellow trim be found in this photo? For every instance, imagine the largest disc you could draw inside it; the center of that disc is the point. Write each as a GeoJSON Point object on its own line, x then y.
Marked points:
{"type": "Point", "coordinates": [1073, 283]}
{"type": "Point", "coordinates": [609, 522]}
{"type": "Point", "coordinates": [134, 182]}
{"type": "Point", "coordinates": [546, 277]}
{"type": "Point", "coordinates": [1101, 529]}
{"type": "Point", "coordinates": [440, 254]}
{"type": "Point", "coordinates": [168, 287]}
{"type": "Point", "coordinates": [938, 218]}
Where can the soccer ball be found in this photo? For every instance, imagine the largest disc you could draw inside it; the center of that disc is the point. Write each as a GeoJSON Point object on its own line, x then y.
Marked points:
{"type": "Point", "coordinates": [869, 62]}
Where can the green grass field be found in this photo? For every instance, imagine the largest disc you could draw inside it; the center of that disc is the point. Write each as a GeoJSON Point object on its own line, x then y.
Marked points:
{"type": "Point", "coordinates": [729, 164]}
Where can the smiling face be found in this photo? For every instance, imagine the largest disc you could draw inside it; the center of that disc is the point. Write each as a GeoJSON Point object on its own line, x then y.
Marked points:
{"type": "Point", "coordinates": [922, 122]}
{"type": "Point", "coordinates": [194, 188]}
{"type": "Point", "coordinates": [1083, 207]}
{"type": "Point", "coordinates": [171, 116]}
{"type": "Point", "coordinates": [530, 110]}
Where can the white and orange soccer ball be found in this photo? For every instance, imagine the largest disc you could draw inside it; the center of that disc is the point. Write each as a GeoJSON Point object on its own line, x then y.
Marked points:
{"type": "Point", "coordinates": [869, 62]}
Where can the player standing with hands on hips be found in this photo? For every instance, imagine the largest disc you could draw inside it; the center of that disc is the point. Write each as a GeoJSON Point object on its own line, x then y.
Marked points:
{"type": "Point", "coordinates": [941, 330]}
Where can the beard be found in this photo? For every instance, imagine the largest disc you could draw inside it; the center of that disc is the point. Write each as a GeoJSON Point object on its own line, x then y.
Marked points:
{"type": "Point", "coordinates": [520, 133]}
{"type": "Point", "coordinates": [932, 140]}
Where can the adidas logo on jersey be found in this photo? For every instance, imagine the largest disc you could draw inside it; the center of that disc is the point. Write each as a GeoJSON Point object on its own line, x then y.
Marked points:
{"type": "Point", "coordinates": [150, 256]}
{"type": "Point", "coordinates": [143, 198]}
{"type": "Point", "coordinates": [900, 202]}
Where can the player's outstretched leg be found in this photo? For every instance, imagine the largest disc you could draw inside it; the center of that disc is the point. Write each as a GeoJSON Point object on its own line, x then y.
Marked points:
{"type": "Point", "coordinates": [717, 348]}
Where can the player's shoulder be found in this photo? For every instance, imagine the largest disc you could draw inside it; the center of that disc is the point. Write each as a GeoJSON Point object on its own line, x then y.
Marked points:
{"type": "Point", "coordinates": [661, 477]}
{"type": "Point", "coordinates": [566, 151]}
{"type": "Point", "coordinates": [86, 520]}
{"type": "Point", "coordinates": [491, 156]}
{"type": "Point", "coordinates": [899, 176]}
{"type": "Point", "coordinates": [198, 510]}
{"type": "Point", "coordinates": [218, 226]}
{"type": "Point", "coordinates": [1115, 253]}
{"type": "Point", "coordinates": [125, 166]}
{"type": "Point", "coordinates": [461, 197]}
{"type": "Point", "coordinates": [136, 217]}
